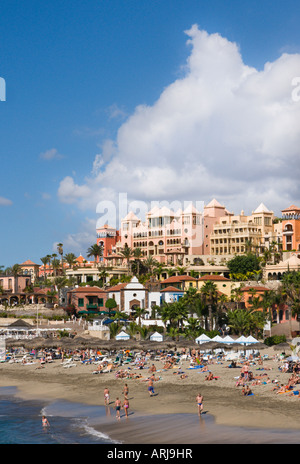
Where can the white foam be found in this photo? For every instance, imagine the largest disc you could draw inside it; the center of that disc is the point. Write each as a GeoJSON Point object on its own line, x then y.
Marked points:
{"type": "Point", "coordinates": [100, 435]}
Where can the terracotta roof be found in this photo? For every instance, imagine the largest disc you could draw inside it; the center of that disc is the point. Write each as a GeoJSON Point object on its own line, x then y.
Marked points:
{"type": "Point", "coordinates": [87, 289]}
{"type": "Point", "coordinates": [213, 277]}
{"type": "Point", "coordinates": [29, 263]}
{"type": "Point", "coordinates": [117, 288]}
{"type": "Point", "coordinates": [171, 289]}
{"type": "Point", "coordinates": [257, 288]}
{"type": "Point", "coordinates": [179, 278]}
{"type": "Point", "coordinates": [291, 208]}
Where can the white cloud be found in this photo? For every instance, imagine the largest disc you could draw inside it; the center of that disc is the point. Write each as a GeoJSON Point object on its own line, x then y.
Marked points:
{"type": "Point", "coordinates": [79, 242]}
{"type": "Point", "coordinates": [51, 154]}
{"type": "Point", "coordinates": [5, 201]}
{"type": "Point", "coordinates": [223, 130]}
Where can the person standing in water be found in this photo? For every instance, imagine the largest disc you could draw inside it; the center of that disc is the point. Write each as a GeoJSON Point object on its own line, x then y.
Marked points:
{"type": "Point", "coordinates": [106, 396]}
{"type": "Point", "coordinates": [126, 406]}
{"type": "Point", "coordinates": [199, 401]}
{"type": "Point", "coordinates": [118, 408]}
{"type": "Point", "coordinates": [45, 422]}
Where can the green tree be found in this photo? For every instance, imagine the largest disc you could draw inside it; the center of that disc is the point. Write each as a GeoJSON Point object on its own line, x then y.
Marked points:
{"type": "Point", "coordinates": [137, 254]}
{"type": "Point", "coordinates": [111, 305]}
{"type": "Point", "coordinates": [70, 258]}
{"type": "Point", "coordinates": [60, 249]}
{"type": "Point", "coordinates": [150, 264]}
{"type": "Point", "coordinates": [114, 329]}
{"type": "Point", "coordinates": [127, 253]}
{"type": "Point", "coordinates": [45, 262]}
{"type": "Point", "coordinates": [96, 251]}
{"type": "Point", "coordinates": [241, 264]}
{"type": "Point", "coordinates": [210, 297]}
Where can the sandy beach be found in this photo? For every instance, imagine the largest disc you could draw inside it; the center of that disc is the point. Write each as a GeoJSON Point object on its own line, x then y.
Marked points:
{"type": "Point", "coordinates": [173, 395]}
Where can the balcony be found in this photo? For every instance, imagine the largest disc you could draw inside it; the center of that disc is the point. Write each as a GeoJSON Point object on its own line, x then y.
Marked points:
{"type": "Point", "coordinates": [91, 306]}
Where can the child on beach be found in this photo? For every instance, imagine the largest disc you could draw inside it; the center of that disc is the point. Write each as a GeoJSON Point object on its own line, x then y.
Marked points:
{"type": "Point", "coordinates": [106, 396]}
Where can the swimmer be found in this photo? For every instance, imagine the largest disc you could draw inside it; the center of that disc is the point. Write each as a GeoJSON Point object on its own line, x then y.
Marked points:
{"type": "Point", "coordinates": [45, 422]}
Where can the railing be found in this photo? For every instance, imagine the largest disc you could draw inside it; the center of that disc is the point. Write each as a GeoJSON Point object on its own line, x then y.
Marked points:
{"type": "Point", "coordinates": [91, 306]}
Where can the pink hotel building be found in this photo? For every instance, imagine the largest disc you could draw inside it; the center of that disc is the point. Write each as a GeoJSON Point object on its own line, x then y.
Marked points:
{"type": "Point", "coordinates": [167, 236]}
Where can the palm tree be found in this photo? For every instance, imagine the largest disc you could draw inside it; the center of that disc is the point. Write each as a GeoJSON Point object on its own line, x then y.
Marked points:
{"type": "Point", "coordinates": [61, 252]}
{"type": "Point", "coordinates": [55, 265]}
{"type": "Point", "coordinates": [144, 331]}
{"type": "Point", "coordinates": [132, 328]}
{"type": "Point", "coordinates": [237, 295]}
{"type": "Point", "coordinates": [150, 263]}
{"type": "Point", "coordinates": [114, 329]}
{"type": "Point", "coordinates": [291, 293]}
{"type": "Point", "coordinates": [103, 274]}
{"type": "Point", "coordinates": [127, 253]}
{"type": "Point", "coordinates": [139, 312]}
{"type": "Point", "coordinates": [193, 329]}
{"type": "Point", "coordinates": [51, 295]}
{"type": "Point", "coordinates": [181, 269]}
{"type": "Point", "coordinates": [210, 295]}
{"type": "Point", "coordinates": [16, 270]}
{"type": "Point", "coordinates": [137, 253]}
{"type": "Point", "coordinates": [159, 269]}
{"type": "Point", "coordinates": [96, 251]}
{"type": "Point", "coordinates": [239, 321]}
{"type": "Point", "coordinates": [45, 262]}
{"type": "Point", "coordinates": [70, 258]}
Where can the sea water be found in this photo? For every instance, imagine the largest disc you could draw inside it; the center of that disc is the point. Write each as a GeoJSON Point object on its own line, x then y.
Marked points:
{"type": "Point", "coordinates": [21, 421]}
{"type": "Point", "coordinates": [75, 423]}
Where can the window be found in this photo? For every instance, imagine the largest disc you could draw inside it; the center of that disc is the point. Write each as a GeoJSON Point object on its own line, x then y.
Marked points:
{"type": "Point", "coordinates": [80, 302]}
{"type": "Point", "coordinates": [100, 301]}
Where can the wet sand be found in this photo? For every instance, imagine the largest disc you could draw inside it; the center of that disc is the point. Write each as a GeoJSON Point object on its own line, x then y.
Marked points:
{"type": "Point", "coordinates": [223, 403]}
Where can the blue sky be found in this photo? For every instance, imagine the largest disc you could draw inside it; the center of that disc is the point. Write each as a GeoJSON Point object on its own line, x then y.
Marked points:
{"type": "Point", "coordinates": [75, 74]}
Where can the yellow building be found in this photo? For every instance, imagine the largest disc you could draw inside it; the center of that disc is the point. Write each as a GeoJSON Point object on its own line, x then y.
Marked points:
{"type": "Point", "coordinates": [237, 234]}
{"type": "Point", "coordinates": [222, 284]}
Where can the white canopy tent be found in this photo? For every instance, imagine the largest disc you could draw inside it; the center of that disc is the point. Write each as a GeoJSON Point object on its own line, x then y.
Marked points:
{"type": "Point", "coordinates": [251, 340]}
{"type": "Point", "coordinates": [228, 340]}
{"type": "Point", "coordinates": [217, 338]}
{"type": "Point", "coordinates": [202, 339]}
{"type": "Point", "coordinates": [122, 336]}
{"type": "Point", "coordinates": [242, 339]}
{"type": "Point", "coordinates": [156, 337]}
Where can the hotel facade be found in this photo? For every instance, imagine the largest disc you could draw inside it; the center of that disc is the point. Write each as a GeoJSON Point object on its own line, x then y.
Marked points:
{"type": "Point", "coordinates": [190, 236]}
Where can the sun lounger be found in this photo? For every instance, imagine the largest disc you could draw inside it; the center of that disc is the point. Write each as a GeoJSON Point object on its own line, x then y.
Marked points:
{"type": "Point", "coordinates": [69, 363]}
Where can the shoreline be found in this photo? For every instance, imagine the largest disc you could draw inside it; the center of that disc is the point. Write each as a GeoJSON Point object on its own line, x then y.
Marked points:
{"type": "Point", "coordinates": [223, 401]}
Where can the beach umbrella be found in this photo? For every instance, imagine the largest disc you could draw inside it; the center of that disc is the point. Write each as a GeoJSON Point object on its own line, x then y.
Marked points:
{"type": "Point", "coordinates": [260, 346]}
{"type": "Point", "coordinates": [282, 347]}
{"type": "Point", "coordinates": [208, 346]}
{"type": "Point", "coordinates": [293, 358]}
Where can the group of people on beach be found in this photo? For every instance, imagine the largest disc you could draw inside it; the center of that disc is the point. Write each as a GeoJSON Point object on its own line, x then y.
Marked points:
{"type": "Point", "coordinates": [118, 405]}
